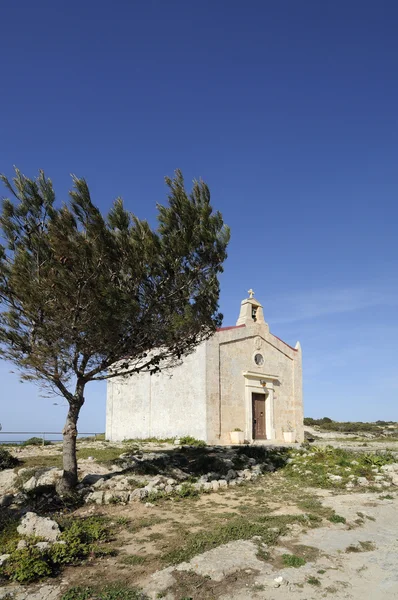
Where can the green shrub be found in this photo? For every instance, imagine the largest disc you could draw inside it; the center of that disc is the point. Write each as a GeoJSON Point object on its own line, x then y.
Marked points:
{"type": "Point", "coordinates": [291, 560]}
{"type": "Point", "coordinates": [7, 461]}
{"type": "Point", "coordinates": [337, 519]}
{"type": "Point", "coordinates": [36, 441]}
{"type": "Point", "coordinates": [27, 564]}
{"type": "Point", "coordinates": [82, 537]}
{"type": "Point", "coordinates": [188, 440]}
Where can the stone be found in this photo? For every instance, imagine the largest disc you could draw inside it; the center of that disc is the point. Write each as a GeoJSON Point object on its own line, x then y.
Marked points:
{"type": "Point", "coordinates": [222, 483]}
{"type": "Point", "coordinates": [49, 477]}
{"type": "Point", "coordinates": [4, 558]}
{"type": "Point", "coordinates": [334, 478]}
{"type": "Point", "coordinates": [32, 524]}
{"type": "Point", "coordinates": [231, 475]}
{"type": "Point", "coordinates": [215, 485]}
{"type": "Point", "coordinates": [168, 489]}
{"type": "Point", "coordinates": [6, 500]}
{"type": "Point", "coordinates": [200, 385]}
{"type": "Point", "coordinates": [362, 481]}
{"type": "Point", "coordinates": [42, 545]}
{"type": "Point", "coordinates": [379, 478]}
{"type": "Point", "coordinates": [98, 483]}
{"type": "Point", "coordinates": [138, 494]}
{"type": "Point", "coordinates": [30, 485]}
{"type": "Point", "coordinates": [207, 486]}
{"type": "Point", "coordinates": [22, 544]}
{"type": "Point", "coordinates": [394, 478]}
{"type": "Point", "coordinates": [96, 497]}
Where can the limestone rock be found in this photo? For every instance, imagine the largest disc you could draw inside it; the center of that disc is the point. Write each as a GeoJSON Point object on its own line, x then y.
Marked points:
{"type": "Point", "coordinates": [30, 484]}
{"type": "Point", "coordinates": [394, 478]}
{"type": "Point", "coordinates": [32, 524]}
{"type": "Point", "coordinates": [49, 477]}
{"type": "Point", "coordinates": [4, 558]}
{"type": "Point", "coordinates": [362, 481]}
{"type": "Point", "coordinates": [96, 497]}
{"type": "Point", "coordinates": [42, 545]}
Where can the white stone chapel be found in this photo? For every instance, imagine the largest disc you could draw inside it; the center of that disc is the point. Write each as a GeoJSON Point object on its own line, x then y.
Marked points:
{"type": "Point", "coordinates": [243, 378]}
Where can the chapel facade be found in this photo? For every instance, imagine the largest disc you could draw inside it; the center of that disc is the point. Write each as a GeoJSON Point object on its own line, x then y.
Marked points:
{"type": "Point", "coordinates": [242, 378]}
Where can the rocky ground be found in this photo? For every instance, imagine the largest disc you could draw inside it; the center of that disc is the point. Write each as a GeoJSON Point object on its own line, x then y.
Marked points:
{"type": "Point", "coordinates": [221, 523]}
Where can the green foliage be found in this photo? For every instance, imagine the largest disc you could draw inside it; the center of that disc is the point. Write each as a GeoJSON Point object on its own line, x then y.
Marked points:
{"type": "Point", "coordinates": [102, 455]}
{"type": "Point", "coordinates": [7, 461]}
{"type": "Point", "coordinates": [313, 581]}
{"type": "Point", "coordinates": [291, 560]}
{"type": "Point", "coordinates": [81, 291]}
{"type": "Point", "coordinates": [36, 441]}
{"type": "Point", "coordinates": [26, 565]}
{"type": "Point", "coordinates": [188, 440]}
{"type": "Point", "coordinates": [82, 537]}
{"type": "Point", "coordinates": [337, 519]}
{"type": "Point", "coordinates": [186, 491]}
{"type": "Point", "coordinates": [327, 424]}
{"type": "Point", "coordinates": [112, 592]}
{"type": "Point", "coordinates": [267, 527]}
{"type": "Point", "coordinates": [316, 464]}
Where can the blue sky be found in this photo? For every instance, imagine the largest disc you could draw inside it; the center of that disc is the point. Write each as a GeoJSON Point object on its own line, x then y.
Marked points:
{"type": "Point", "coordinates": [288, 110]}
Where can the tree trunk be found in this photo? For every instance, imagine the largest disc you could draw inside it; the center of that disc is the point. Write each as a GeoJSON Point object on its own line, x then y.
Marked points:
{"type": "Point", "coordinates": [69, 477]}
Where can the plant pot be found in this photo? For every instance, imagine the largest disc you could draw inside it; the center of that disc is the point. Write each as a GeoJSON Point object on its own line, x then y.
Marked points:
{"type": "Point", "coordinates": [237, 437]}
{"type": "Point", "coordinates": [289, 436]}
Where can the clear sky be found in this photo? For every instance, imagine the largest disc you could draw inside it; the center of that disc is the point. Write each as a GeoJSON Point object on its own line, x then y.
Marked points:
{"type": "Point", "coordinates": [288, 110]}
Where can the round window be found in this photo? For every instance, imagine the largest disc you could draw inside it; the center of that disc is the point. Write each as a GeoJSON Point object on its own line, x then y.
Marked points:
{"type": "Point", "coordinates": [259, 359]}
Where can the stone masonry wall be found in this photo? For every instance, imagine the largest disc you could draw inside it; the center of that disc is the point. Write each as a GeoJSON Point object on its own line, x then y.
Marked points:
{"type": "Point", "coordinates": [167, 405]}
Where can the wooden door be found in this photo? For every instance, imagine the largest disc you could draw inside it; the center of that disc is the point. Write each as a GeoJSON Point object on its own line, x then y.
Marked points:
{"type": "Point", "coordinates": [258, 403]}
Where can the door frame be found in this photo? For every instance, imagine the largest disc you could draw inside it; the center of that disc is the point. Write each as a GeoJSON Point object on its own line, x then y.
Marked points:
{"type": "Point", "coordinates": [263, 397]}
{"type": "Point", "coordinates": [259, 383]}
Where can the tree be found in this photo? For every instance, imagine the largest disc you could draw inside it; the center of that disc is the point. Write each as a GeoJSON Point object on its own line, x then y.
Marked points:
{"type": "Point", "coordinates": [85, 297]}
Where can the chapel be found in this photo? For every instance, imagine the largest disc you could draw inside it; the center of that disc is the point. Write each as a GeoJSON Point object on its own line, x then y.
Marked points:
{"type": "Point", "coordinates": [243, 378]}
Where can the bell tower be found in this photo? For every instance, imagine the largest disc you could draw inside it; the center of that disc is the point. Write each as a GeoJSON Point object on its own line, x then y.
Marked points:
{"type": "Point", "coordinates": [251, 311]}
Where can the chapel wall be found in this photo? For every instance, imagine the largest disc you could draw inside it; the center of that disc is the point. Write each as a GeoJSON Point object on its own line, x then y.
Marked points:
{"type": "Point", "coordinates": [236, 350]}
{"type": "Point", "coordinates": [169, 404]}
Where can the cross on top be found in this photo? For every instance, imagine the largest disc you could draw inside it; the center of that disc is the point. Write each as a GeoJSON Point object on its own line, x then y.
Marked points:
{"type": "Point", "coordinates": [251, 293]}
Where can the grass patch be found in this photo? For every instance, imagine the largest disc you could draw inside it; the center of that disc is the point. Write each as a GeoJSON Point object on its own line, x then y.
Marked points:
{"type": "Point", "coordinates": [150, 440]}
{"type": "Point", "coordinates": [268, 528]}
{"type": "Point", "coordinates": [386, 497]}
{"type": "Point", "coordinates": [316, 465]}
{"type": "Point", "coordinates": [337, 519]}
{"type": "Point", "coordinates": [291, 560]}
{"type": "Point", "coordinates": [313, 581]}
{"type": "Point", "coordinates": [45, 460]}
{"type": "Point", "coordinates": [188, 440]}
{"type": "Point", "coordinates": [102, 455]}
{"type": "Point", "coordinates": [112, 592]}
{"type": "Point", "coordinates": [143, 523]}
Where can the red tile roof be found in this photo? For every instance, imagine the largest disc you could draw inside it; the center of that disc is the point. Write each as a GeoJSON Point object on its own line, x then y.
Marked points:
{"type": "Point", "coordinates": [291, 347]}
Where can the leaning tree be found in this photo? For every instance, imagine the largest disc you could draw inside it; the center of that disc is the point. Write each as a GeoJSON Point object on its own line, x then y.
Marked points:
{"type": "Point", "coordinates": [85, 297]}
